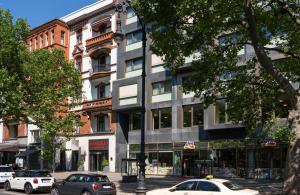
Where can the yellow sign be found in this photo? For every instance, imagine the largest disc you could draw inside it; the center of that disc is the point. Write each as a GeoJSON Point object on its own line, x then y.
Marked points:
{"type": "Point", "coordinates": [189, 145]}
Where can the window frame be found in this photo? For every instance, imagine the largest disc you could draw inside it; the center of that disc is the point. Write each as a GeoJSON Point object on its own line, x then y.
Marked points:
{"type": "Point", "coordinates": [47, 39]}
{"type": "Point", "coordinates": [79, 34]}
{"type": "Point", "coordinates": [132, 63]}
{"type": "Point", "coordinates": [131, 116]}
{"type": "Point", "coordinates": [62, 38]}
{"type": "Point", "coordinates": [52, 36]}
{"type": "Point", "coordinates": [133, 37]}
{"type": "Point", "coordinates": [41, 40]}
{"type": "Point", "coordinates": [192, 116]}
{"type": "Point", "coordinates": [133, 13]}
{"type": "Point", "coordinates": [216, 113]}
{"type": "Point", "coordinates": [160, 117]}
{"type": "Point", "coordinates": [160, 87]}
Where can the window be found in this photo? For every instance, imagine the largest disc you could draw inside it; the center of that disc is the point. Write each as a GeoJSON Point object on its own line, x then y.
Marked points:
{"type": "Point", "coordinates": [47, 38]}
{"type": "Point", "coordinates": [6, 169]}
{"type": "Point", "coordinates": [186, 185]}
{"type": "Point", "coordinates": [21, 173]}
{"type": "Point", "coordinates": [102, 123]}
{"type": "Point", "coordinates": [102, 28]}
{"type": "Point", "coordinates": [52, 36]}
{"type": "Point", "coordinates": [232, 186]}
{"type": "Point", "coordinates": [35, 134]}
{"type": "Point", "coordinates": [13, 130]}
{"type": "Point", "coordinates": [103, 91]}
{"type": "Point", "coordinates": [135, 121]}
{"type": "Point", "coordinates": [72, 178]}
{"type": "Point", "coordinates": [30, 45]}
{"type": "Point", "coordinates": [36, 42]}
{"type": "Point", "coordinates": [161, 88]}
{"type": "Point", "coordinates": [130, 13]}
{"type": "Point", "coordinates": [135, 64]}
{"type": "Point", "coordinates": [220, 112]}
{"type": "Point", "coordinates": [78, 63]}
{"type": "Point", "coordinates": [62, 38]}
{"type": "Point", "coordinates": [41, 41]}
{"type": "Point", "coordinates": [192, 115]}
{"type": "Point", "coordinates": [79, 36]}
{"type": "Point", "coordinates": [162, 118]}
{"type": "Point", "coordinates": [207, 186]}
{"type": "Point", "coordinates": [133, 37]}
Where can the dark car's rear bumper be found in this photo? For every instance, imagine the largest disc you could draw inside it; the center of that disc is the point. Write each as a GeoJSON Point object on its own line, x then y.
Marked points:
{"type": "Point", "coordinates": [43, 188]}
{"type": "Point", "coordinates": [112, 192]}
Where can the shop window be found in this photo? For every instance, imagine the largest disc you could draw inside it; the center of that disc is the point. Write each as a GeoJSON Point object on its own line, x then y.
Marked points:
{"type": "Point", "coordinates": [133, 65]}
{"type": "Point", "coordinates": [162, 118]}
{"type": "Point", "coordinates": [135, 121]}
{"type": "Point", "coordinates": [78, 63]}
{"type": "Point", "coordinates": [103, 91]}
{"type": "Point", "coordinates": [165, 159]}
{"type": "Point", "coordinates": [192, 115]}
{"type": "Point", "coordinates": [220, 112]}
{"type": "Point", "coordinates": [133, 37]}
{"type": "Point", "coordinates": [79, 36]}
{"type": "Point", "coordinates": [160, 88]}
{"type": "Point", "coordinates": [62, 38]}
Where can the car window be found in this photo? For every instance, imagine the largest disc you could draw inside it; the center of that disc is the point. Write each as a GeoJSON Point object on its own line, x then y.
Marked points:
{"type": "Point", "coordinates": [102, 178]}
{"type": "Point", "coordinates": [21, 174]}
{"type": "Point", "coordinates": [84, 178]}
{"type": "Point", "coordinates": [6, 169]}
{"type": "Point", "coordinates": [41, 174]}
{"type": "Point", "coordinates": [232, 186]}
{"type": "Point", "coordinates": [72, 178]}
{"type": "Point", "coordinates": [185, 186]}
{"type": "Point", "coordinates": [207, 186]}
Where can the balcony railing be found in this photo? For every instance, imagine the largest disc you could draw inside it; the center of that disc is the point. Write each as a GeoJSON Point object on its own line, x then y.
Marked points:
{"type": "Point", "coordinates": [99, 104]}
{"type": "Point", "coordinates": [100, 39]}
{"type": "Point", "coordinates": [99, 71]}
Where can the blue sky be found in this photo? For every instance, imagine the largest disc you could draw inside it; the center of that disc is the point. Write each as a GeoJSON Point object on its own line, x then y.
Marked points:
{"type": "Point", "coordinates": [37, 12]}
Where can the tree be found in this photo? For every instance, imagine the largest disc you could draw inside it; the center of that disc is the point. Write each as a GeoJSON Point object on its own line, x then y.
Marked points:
{"type": "Point", "coordinates": [214, 32]}
{"type": "Point", "coordinates": [39, 87]}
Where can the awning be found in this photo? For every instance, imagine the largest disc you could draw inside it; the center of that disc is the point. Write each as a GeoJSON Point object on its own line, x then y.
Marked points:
{"type": "Point", "coordinates": [9, 148]}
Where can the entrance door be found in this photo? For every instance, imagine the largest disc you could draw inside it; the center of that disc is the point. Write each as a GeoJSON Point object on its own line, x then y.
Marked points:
{"type": "Point", "coordinates": [97, 160]}
{"type": "Point", "coordinates": [188, 163]}
{"type": "Point", "coordinates": [75, 155]}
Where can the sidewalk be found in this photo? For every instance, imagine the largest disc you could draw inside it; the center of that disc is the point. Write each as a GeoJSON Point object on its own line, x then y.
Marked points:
{"type": "Point", "coordinates": [265, 187]}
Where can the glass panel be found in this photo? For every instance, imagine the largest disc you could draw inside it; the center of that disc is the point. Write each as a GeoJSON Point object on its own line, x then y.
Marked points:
{"type": "Point", "coordinates": [185, 186]}
{"type": "Point", "coordinates": [207, 186]}
{"type": "Point", "coordinates": [220, 111]}
{"type": "Point", "coordinates": [198, 114]}
{"type": "Point", "coordinates": [165, 146]}
{"type": "Point", "coordinates": [137, 36]}
{"type": "Point", "coordinates": [136, 121]}
{"type": "Point", "coordinates": [137, 64]}
{"type": "Point", "coordinates": [165, 163]}
{"type": "Point", "coordinates": [177, 163]}
{"type": "Point", "coordinates": [155, 114]}
{"type": "Point", "coordinates": [130, 13]}
{"type": "Point", "coordinates": [168, 87]}
{"type": "Point", "coordinates": [129, 39]}
{"type": "Point", "coordinates": [129, 66]}
{"type": "Point", "coordinates": [187, 114]}
{"type": "Point", "coordinates": [155, 89]}
{"type": "Point", "coordinates": [166, 118]}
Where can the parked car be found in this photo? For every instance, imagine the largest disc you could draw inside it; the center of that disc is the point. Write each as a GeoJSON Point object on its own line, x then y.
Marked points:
{"type": "Point", "coordinates": [205, 187]}
{"type": "Point", "coordinates": [29, 181]}
{"type": "Point", "coordinates": [84, 184]}
{"type": "Point", "coordinates": [5, 173]}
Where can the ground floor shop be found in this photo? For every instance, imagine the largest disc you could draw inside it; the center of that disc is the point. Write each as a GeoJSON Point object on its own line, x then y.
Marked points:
{"type": "Point", "coordinates": [231, 160]}
{"type": "Point", "coordinates": [91, 153]}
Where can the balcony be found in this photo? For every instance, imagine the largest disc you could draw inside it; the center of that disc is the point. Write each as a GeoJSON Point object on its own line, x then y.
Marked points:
{"type": "Point", "coordinates": [99, 104]}
{"type": "Point", "coordinates": [99, 40]}
{"type": "Point", "coordinates": [99, 71]}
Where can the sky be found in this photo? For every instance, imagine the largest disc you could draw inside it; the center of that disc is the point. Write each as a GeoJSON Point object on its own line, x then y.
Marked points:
{"type": "Point", "coordinates": [37, 12]}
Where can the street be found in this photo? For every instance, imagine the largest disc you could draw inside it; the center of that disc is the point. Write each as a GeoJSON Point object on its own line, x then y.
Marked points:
{"type": "Point", "coordinates": [265, 187]}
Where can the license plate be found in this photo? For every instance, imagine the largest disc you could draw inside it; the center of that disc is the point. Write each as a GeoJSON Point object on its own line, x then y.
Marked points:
{"type": "Point", "coordinates": [46, 181]}
{"type": "Point", "coordinates": [106, 187]}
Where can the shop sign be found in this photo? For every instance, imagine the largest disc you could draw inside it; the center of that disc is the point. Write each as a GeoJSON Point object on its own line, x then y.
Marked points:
{"type": "Point", "coordinates": [269, 142]}
{"type": "Point", "coordinates": [189, 145]}
{"type": "Point", "coordinates": [99, 144]}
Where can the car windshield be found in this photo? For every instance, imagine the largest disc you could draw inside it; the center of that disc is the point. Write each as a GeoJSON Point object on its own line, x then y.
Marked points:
{"type": "Point", "coordinates": [102, 179]}
{"type": "Point", "coordinates": [6, 169]}
{"type": "Point", "coordinates": [42, 174]}
{"type": "Point", "coordinates": [232, 186]}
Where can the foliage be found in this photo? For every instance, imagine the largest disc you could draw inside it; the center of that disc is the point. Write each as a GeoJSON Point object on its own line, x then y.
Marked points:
{"type": "Point", "coordinates": [213, 33]}
{"type": "Point", "coordinates": [37, 87]}
{"type": "Point", "coordinates": [104, 163]}
{"type": "Point", "coordinates": [278, 130]}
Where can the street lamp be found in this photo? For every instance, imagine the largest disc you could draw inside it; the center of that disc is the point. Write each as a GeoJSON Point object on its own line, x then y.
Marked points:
{"type": "Point", "coordinates": [118, 37]}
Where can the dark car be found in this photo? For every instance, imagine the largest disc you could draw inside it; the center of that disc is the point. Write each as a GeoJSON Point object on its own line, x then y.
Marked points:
{"type": "Point", "coordinates": [84, 184]}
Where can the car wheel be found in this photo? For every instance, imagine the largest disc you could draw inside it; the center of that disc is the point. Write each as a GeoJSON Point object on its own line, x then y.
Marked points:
{"type": "Point", "coordinates": [28, 188]}
{"type": "Point", "coordinates": [54, 191]}
{"type": "Point", "coordinates": [7, 186]}
{"type": "Point", "coordinates": [86, 193]}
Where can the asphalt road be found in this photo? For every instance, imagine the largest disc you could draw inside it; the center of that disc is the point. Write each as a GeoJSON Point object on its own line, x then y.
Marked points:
{"type": "Point", "coordinates": [3, 192]}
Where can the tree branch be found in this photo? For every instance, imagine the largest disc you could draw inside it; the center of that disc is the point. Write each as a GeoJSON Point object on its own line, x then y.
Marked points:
{"type": "Point", "coordinates": [294, 16]}
{"type": "Point", "coordinates": [263, 58]}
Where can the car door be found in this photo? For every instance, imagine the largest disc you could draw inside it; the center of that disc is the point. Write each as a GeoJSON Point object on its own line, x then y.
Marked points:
{"type": "Point", "coordinates": [22, 179]}
{"type": "Point", "coordinates": [206, 188]}
{"type": "Point", "coordinates": [68, 186]}
{"type": "Point", "coordinates": [16, 183]}
{"type": "Point", "coordinates": [184, 188]}
{"type": "Point", "coordinates": [13, 180]}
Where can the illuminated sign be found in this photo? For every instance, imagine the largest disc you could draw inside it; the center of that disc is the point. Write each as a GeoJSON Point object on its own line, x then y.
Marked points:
{"type": "Point", "coordinates": [99, 144]}
{"type": "Point", "coordinates": [189, 145]}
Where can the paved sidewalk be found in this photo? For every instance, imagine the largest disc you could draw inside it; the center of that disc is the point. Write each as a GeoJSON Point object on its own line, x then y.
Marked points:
{"type": "Point", "coordinates": [265, 187]}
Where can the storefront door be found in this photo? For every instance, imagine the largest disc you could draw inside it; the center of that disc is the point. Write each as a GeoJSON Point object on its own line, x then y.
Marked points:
{"type": "Point", "coordinates": [189, 157]}
{"type": "Point", "coordinates": [97, 160]}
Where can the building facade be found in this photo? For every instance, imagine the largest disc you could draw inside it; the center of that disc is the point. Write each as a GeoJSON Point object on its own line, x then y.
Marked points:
{"type": "Point", "coordinates": [94, 53]}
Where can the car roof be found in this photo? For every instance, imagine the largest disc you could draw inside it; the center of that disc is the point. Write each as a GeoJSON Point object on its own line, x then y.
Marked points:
{"type": "Point", "coordinates": [214, 180]}
{"type": "Point", "coordinates": [90, 174]}
{"type": "Point", "coordinates": [4, 166]}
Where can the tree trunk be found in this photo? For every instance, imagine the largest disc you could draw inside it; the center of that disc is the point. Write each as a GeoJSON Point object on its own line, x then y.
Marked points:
{"type": "Point", "coordinates": [291, 184]}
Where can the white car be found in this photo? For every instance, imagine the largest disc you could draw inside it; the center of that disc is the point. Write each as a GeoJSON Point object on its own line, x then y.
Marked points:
{"type": "Point", "coordinates": [5, 173]}
{"type": "Point", "coordinates": [29, 181]}
{"type": "Point", "coordinates": [205, 187]}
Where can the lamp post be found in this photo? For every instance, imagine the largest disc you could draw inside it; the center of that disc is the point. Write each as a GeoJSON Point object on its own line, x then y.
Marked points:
{"type": "Point", "coordinates": [118, 36]}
